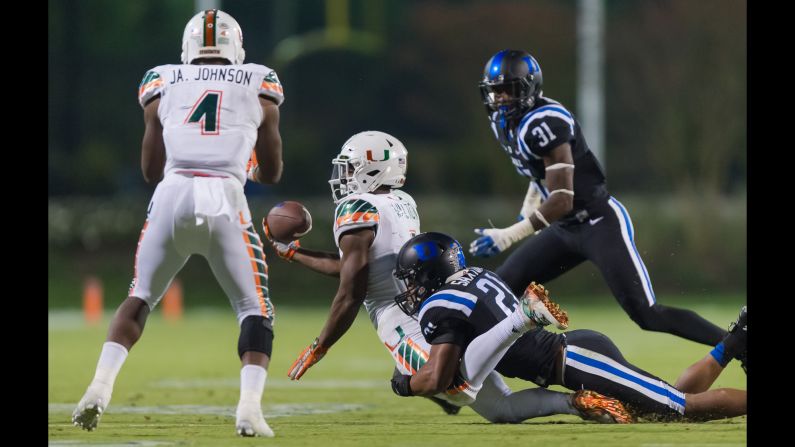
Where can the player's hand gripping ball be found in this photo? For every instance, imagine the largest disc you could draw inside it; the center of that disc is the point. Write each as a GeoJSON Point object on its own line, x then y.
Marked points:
{"type": "Point", "coordinates": [288, 221]}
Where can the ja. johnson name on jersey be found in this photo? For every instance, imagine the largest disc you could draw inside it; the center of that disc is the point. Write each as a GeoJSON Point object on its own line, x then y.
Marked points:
{"type": "Point", "coordinates": [236, 75]}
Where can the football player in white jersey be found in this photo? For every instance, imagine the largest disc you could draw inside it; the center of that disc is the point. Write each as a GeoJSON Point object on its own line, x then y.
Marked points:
{"type": "Point", "coordinates": [373, 219]}
{"type": "Point", "coordinates": [202, 119]}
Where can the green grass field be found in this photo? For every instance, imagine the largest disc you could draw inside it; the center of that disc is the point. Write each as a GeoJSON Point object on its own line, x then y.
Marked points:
{"type": "Point", "coordinates": [179, 386]}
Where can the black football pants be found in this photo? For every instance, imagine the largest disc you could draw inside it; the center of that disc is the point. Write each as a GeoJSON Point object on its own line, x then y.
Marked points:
{"type": "Point", "coordinates": [607, 239]}
{"type": "Point", "coordinates": [593, 362]}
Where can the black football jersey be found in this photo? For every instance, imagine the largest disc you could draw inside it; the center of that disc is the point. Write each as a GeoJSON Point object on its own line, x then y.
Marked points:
{"type": "Point", "coordinates": [471, 305]}
{"type": "Point", "coordinates": [546, 126]}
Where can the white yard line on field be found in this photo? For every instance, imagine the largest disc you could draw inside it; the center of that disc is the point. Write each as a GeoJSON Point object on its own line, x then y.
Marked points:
{"type": "Point", "coordinates": [234, 382]}
{"type": "Point", "coordinates": [269, 411]}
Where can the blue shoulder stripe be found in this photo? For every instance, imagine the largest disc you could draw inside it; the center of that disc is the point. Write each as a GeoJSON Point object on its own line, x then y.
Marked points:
{"type": "Point", "coordinates": [448, 297]}
{"type": "Point", "coordinates": [555, 108]}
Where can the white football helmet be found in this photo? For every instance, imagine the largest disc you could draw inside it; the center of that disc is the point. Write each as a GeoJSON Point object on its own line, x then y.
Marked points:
{"type": "Point", "coordinates": [368, 160]}
{"type": "Point", "coordinates": [213, 33]}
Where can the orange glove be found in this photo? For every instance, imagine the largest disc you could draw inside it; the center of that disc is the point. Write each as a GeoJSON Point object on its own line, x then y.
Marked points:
{"type": "Point", "coordinates": [308, 357]}
{"type": "Point", "coordinates": [285, 251]}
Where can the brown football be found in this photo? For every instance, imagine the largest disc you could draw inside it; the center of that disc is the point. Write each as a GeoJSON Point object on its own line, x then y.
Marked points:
{"type": "Point", "coordinates": [288, 221]}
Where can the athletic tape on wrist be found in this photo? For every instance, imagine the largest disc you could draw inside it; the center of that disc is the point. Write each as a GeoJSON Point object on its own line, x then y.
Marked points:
{"type": "Point", "coordinates": [557, 166]}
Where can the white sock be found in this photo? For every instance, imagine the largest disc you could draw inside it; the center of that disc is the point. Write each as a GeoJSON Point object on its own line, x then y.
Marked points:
{"type": "Point", "coordinates": [521, 322]}
{"type": "Point", "coordinates": [487, 349]}
{"type": "Point", "coordinates": [252, 382]}
{"type": "Point", "coordinates": [110, 361]}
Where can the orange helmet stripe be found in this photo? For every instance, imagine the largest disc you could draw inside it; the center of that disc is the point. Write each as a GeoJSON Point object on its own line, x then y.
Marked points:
{"type": "Point", "coordinates": [209, 27]}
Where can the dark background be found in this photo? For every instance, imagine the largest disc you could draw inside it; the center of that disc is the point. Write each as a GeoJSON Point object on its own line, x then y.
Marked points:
{"type": "Point", "coordinates": [675, 97]}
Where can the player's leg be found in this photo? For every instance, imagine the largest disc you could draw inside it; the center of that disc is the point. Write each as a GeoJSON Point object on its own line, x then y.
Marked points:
{"type": "Point", "coordinates": [717, 404]}
{"type": "Point", "coordinates": [535, 309]}
{"type": "Point", "coordinates": [237, 259]}
{"type": "Point", "coordinates": [610, 244]}
{"type": "Point", "coordinates": [701, 375]}
{"type": "Point", "coordinates": [497, 403]}
{"type": "Point", "coordinates": [156, 263]}
{"type": "Point", "coordinates": [592, 361]}
{"type": "Point", "coordinates": [540, 258]}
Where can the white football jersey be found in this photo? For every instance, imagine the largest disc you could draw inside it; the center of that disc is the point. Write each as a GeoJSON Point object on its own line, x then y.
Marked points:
{"type": "Point", "coordinates": [395, 220]}
{"type": "Point", "coordinates": [210, 113]}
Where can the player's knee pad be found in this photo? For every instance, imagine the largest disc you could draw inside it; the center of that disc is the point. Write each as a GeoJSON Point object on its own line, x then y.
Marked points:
{"type": "Point", "coordinates": [256, 334]}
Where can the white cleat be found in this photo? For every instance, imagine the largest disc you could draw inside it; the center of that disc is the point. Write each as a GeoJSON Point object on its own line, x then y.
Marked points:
{"type": "Point", "coordinates": [91, 407]}
{"type": "Point", "coordinates": [250, 421]}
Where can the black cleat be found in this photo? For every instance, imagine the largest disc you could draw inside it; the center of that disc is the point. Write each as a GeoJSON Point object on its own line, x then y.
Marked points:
{"type": "Point", "coordinates": [448, 408]}
{"type": "Point", "coordinates": [737, 339]}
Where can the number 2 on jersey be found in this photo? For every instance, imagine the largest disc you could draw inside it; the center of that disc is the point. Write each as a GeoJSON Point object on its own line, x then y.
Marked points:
{"type": "Point", "coordinates": [504, 298]}
{"type": "Point", "coordinates": [207, 112]}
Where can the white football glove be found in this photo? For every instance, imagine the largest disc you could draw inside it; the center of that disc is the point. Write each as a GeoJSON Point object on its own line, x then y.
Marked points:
{"type": "Point", "coordinates": [496, 240]}
{"type": "Point", "coordinates": [532, 200]}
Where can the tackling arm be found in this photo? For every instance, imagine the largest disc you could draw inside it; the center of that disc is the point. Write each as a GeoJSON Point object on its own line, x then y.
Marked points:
{"type": "Point", "coordinates": [438, 372]}
{"type": "Point", "coordinates": [153, 148]}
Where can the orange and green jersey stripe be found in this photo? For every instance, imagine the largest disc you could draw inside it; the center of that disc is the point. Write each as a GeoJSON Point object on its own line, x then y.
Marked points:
{"type": "Point", "coordinates": [409, 353]}
{"type": "Point", "coordinates": [356, 211]}
{"type": "Point", "coordinates": [151, 80]}
{"type": "Point", "coordinates": [458, 385]}
{"type": "Point", "coordinates": [135, 263]}
{"type": "Point", "coordinates": [272, 86]}
{"type": "Point", "coordinates": [259, 269]}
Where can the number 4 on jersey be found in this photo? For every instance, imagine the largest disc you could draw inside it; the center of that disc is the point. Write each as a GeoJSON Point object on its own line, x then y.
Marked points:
{"type": "Point", "coordinates": [207, 112]}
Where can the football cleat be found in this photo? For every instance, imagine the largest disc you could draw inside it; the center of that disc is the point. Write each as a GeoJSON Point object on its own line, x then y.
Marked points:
{"type": "Point", "coordinates": [91, 407]}
{"type": "Point", "coordinates": [738, 338]}
{"type": "Point", "coordinates": [541, 310]}
{"type": "Point", "coordinates": [596, 407]}
{"type": "Point", "coordinates": [249, 421]}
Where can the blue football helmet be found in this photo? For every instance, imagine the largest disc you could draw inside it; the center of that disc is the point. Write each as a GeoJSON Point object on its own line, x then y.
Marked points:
{"type": "Point", "coordinates": [516, 73]}
{"type": "Point", "coordinates": [424, 263]}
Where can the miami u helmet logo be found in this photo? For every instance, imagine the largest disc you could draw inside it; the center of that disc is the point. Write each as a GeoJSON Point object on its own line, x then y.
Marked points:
{"type": "Point", "coordinates": [370, 155]}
